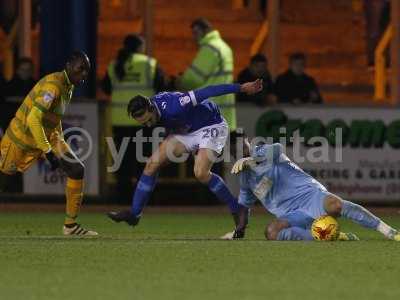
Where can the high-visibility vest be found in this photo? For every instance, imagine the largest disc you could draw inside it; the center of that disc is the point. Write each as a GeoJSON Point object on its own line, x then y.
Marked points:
{"type": "Point", "coordinates": [212, 65]}
{"type": "Point", "coordinates": [139, 76]}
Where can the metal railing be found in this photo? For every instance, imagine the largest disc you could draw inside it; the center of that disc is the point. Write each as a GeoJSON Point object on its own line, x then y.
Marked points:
{"type": "Point", "coordinates": [260, 38]}
{"type": "Point", "coordinates": [262, 34]}
{"type": "Point", "coordinates": [380, 64]}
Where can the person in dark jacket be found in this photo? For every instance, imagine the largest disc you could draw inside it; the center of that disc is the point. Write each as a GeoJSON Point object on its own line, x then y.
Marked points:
{"type": "Point", "coordinates": [23, 80]}
{"type": "Point", "coordinates": [3, 125]}
{"type": "Point", "coordinates": [295, 86]}
{"type": "Point", "coordinates": [130, 74]}
{"type": "Point", "coordinates": [2, 88]}
{"type": "Point", "coordinates": [258, 68]}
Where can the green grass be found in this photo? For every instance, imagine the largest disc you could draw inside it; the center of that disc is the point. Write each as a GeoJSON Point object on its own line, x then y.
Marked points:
{"type": "Point", "coordinates": [179, 257]}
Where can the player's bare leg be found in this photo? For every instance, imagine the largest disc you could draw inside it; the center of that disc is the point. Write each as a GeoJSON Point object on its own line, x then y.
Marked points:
{"type": "Point", "coordinates": [204, 161]}
{"type": "Point", "coordinates": [161, 157]}
{"type": "Point", "coordinates": [335, 206]}
{"type": "Point", "coordinates": [145, 186]}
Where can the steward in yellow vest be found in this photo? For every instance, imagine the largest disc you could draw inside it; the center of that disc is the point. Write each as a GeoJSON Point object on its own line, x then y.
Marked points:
{"type": "Point", "coordinates": [130, 74]}
{"type": "Point", "coordinates": [212, 65]}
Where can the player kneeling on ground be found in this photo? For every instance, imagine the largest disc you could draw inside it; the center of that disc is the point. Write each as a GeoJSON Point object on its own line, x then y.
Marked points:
{"type": "Point", "coordinates": [36, 132]}
{"type": "Point", "coordinates": [290, 194]}
{"type": "Point", "coordinates": [195, 124]}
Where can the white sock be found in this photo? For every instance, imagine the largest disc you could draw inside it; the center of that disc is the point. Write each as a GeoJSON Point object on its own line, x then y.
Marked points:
{"type": "Point", "coordinates": [386, 230]}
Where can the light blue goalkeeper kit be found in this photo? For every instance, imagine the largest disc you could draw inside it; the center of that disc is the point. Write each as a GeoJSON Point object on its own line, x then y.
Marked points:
{"type": "Point", "coordinates": [289, 193]}
{"type": "Point", "coordinates": [280, 185]}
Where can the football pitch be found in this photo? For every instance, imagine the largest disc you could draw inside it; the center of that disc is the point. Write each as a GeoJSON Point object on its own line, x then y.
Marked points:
{"type": "Point", "coordinates": [179, 256]}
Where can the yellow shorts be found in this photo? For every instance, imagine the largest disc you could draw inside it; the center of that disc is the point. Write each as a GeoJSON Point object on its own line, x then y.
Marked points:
{"type": "Point", "coordinates": [13, 159]}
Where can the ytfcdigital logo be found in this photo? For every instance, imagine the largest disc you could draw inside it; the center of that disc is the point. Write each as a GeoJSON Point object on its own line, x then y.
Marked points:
{"type": "Point", "coordinates": [81, 144]}
{"type": "Point", "coordinates": [315, 150]}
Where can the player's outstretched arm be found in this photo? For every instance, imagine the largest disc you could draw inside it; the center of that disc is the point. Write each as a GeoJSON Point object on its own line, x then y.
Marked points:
{"type": "Point", "coordinates": [253, 87]}
{"type": "Point", "coordinates": [246, 200]}
{"type": "Point", "coordinates": [240, 229]}
{"type": "Point", "coordinates": [243, 220]}
{"type": "Point", "coordinates": [223, 89]}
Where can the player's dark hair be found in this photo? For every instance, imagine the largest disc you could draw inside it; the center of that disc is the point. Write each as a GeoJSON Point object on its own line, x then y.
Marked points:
{"type": "Point", "coordinates": [202, 23]}
{"type": "Point", "coordinates": [258, 58]}
{"type": "Point", "coordinates": [78, 55]}
{"type": "Point", "coordinates": [132, 43]}
{"type": "Point", "coordinates": [297, 56]}
{"type": "Point", "coordinates": [235, 135]}
{"type": "Point", "coordinates": [138, 105]}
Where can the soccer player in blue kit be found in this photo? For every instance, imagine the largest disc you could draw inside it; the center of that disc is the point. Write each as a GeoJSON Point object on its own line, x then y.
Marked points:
{"type": "Point", "coordinates": [194, 124]}
{"type": "Point", "coordinates": [291, 195]}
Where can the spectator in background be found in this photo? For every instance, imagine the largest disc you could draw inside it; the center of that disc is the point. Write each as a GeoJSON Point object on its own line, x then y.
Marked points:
{"type": "Point", "coordinates": [23, 81]}
{"type": "Point", "coordinates": [2, 88]}
{"type": "Point", "coordinates": [377, 17]}
{"type": "Point", "coordinates": [130, 74]}
{"type": "Point", "coordinates": [258, 68]}
{"type": "Point", "coordinates": [296, 87]}
{"type": "Point", "coordinates": [2, 95]}
{"type": "Point", "coordinates": [213, 64]}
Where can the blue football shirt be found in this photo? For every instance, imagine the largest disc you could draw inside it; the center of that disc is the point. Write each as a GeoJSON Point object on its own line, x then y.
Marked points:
{"type": "Point", "coordinates": [191, 111]}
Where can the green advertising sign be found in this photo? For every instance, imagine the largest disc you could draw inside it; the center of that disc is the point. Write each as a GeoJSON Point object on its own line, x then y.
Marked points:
{"type": "Point", "coordinates": [358, 133]}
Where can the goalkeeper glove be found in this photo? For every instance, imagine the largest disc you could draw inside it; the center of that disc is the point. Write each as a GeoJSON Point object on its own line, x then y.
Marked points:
{"type": "Point", "coordinates": [243, 163]}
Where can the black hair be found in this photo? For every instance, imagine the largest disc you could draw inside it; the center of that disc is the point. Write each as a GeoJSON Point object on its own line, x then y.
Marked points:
{"type": "Point", "coordinates": [234, 135]}
{"type": "Point", "coordinates": [234, 142]}
{"type": "Point", "coordinates": [132, 43]}
{"type": "Point", "coordinates": [78, 55]}
{"type": "Point", "coordinates": [138, 105]}
{"type": "Point", "coordinates": [24, 60]}
{"type": "Point", "coordinates": [297, 56]}
{"type": "Point", "coordinates": [258, 58]}
{"type": "Point", "coordinates": [202, 23]}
